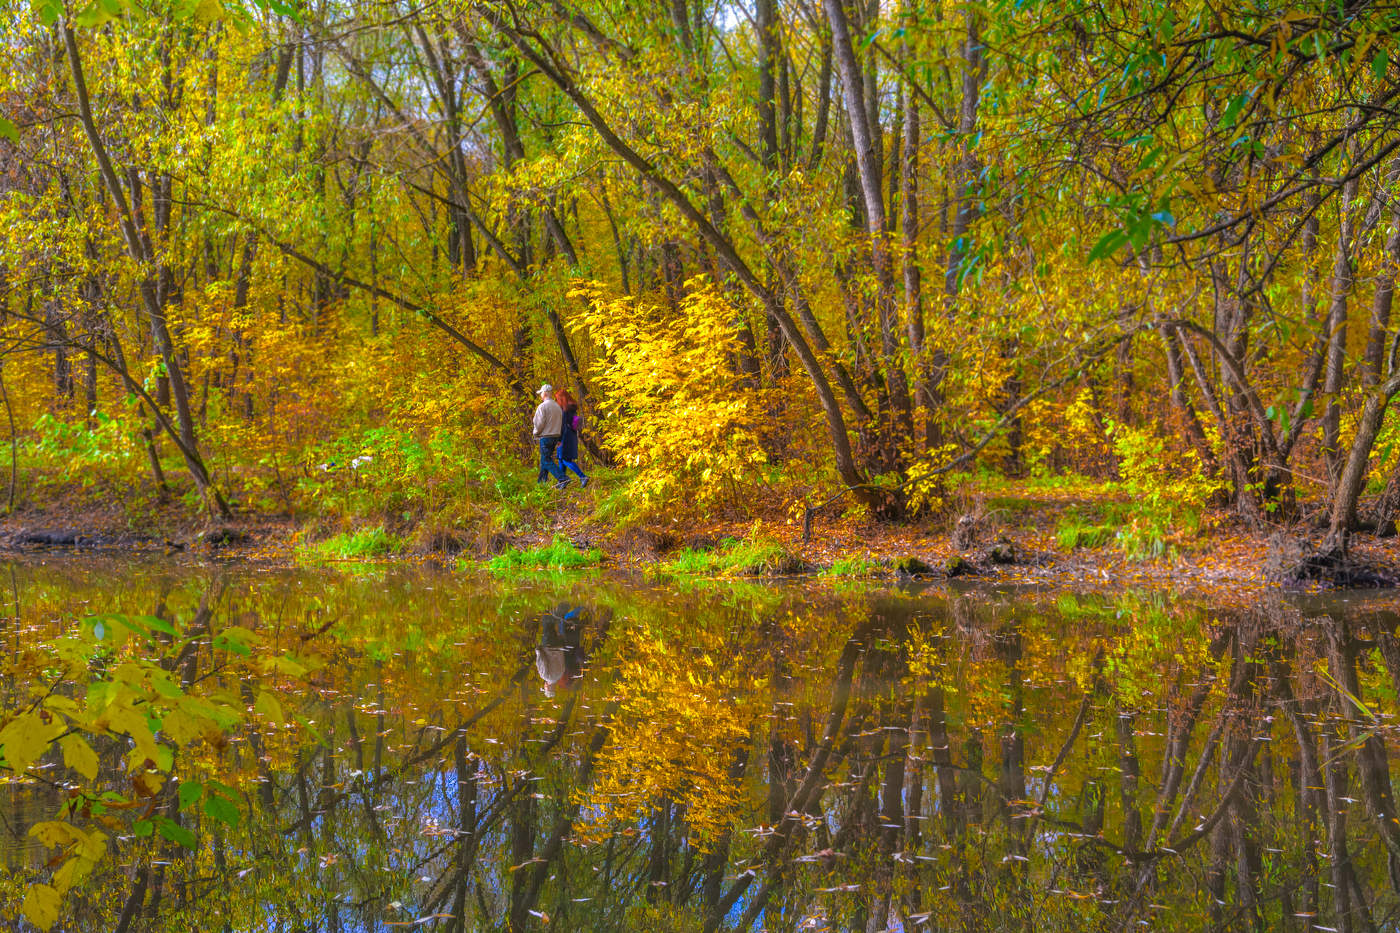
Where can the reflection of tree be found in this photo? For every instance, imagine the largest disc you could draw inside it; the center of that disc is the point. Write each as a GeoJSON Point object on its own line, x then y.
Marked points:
{"type": "Point", "coordinates": [990, 762]}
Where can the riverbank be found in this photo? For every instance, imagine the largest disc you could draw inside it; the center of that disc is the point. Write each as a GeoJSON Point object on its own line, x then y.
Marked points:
{"type": "Point", "coordinates": [1068, 535]}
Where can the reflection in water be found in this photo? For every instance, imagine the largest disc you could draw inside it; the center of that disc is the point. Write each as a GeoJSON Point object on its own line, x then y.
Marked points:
{"type": "Point", "coordinates": [559, 657]}
{"type": "Point", "coordinates": [745, 758]}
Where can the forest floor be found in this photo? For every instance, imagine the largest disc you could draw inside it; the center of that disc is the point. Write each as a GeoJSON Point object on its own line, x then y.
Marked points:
{"type": "Point", "coordinates": [1016, 533]}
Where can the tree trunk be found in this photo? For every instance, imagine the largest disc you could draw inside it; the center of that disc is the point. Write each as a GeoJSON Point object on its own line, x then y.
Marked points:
{"type": "Point", "coordinates": [1176, 378]}
{"type": "Point", "coordinates": [868, 162]}
{"type": "Point", "coordinates": [964, 179]}
{"type": "Point", "coordinates": [1380, 305]}
{"type": "Point", "coordinates": [155, 313]}
{"type": "Point", "coordinates": [1353, 475]}
{"type": "Point", "coordinates": [913, 275]}
{"type": "Point", "coordinates": [1342, 275]}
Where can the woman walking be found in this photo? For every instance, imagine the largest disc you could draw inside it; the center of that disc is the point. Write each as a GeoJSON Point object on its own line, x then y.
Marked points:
{"type": "Point", "coordinates": [568, 441]}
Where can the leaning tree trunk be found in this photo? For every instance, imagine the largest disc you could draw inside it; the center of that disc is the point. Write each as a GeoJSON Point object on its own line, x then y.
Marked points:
{"type": "Point", "coordinates": [136, 249]}
{"type": "Point", "coordinates": [1353, 474]}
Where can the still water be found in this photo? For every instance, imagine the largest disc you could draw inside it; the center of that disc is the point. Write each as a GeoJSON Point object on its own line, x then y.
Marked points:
{"type": "Point", "coordinates": [393, 748]}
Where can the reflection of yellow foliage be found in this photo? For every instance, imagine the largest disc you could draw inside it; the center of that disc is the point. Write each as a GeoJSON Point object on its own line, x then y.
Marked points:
{"type": "Point", "coordinates": [927, 658]}
{"type": "Point", "coordinates": [675, 726]}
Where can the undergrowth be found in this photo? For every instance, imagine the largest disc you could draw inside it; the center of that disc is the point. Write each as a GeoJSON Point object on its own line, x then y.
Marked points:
{"type": "Point", "coordinates": [1076, 530]}
{"type": "Point", "coordinates": [1140, 532]}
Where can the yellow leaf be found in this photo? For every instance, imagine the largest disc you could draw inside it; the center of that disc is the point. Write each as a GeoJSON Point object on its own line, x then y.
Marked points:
{"type": "Point", "coordinates": [56, 834]}
{"type": "Point", "coordinates": [181, 727]}
{"type": "Point", "coordinates": [25, 738]}
{"type": "Point", "coordinates": [269, 708]}
{"type": "Point", "coordinates": [59, 702]}
{"type": "Point", "coordinates": [133, 723]}
{"type": "Point", "coordinates": [78, 755]}
{"type": "Point", "coordinates": [41, 906]}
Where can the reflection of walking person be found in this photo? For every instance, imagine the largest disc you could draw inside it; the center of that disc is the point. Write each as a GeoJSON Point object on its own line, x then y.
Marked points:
{"type": "Point", "coordinates": [548, 423]}
{"type": "Point", "coordinates": [559, 657]}
{"type": "Point", "coordinates": [568, 440]}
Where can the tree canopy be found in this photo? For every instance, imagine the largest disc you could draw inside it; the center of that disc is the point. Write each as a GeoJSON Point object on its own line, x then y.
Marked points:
{"type": "Point", "coordinates": [860, 246]}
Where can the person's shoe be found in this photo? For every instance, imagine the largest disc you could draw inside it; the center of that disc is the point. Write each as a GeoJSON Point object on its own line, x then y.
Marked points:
{"type": "Point", "coordinates": [583, 483]}
{"type": "Point", "coordinates": [561, 484]}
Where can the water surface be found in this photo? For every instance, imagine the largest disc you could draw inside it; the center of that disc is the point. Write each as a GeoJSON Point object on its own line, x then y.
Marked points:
{"type": "Point", "coordinates": [416, 748]}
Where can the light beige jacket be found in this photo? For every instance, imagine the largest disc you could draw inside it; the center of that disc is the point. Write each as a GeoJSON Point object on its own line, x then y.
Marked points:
{"type": "Point", "coordinates": [549, 419]}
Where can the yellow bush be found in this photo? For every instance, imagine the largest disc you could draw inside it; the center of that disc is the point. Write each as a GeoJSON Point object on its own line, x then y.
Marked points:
{"type": "Point", "coordinates": [673, 405]}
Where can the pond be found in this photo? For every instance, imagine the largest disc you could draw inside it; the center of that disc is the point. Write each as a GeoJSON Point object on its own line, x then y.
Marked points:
{"type": "Point", "coordinates": [393, 747]}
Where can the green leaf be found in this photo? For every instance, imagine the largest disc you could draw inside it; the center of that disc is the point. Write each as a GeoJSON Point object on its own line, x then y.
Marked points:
{"type": "Point", "coordinates": [50, 11]}
{"type": "Point", "coordinates": [269, 708]}
{"type": "Point", "coordinates": [190, 791]}
{"type": "Point", "coordinates": [8, 130]}
{"type": "Point", "coordinates": [289, 8]}
{"type": "Point", "coordinates": [1108, 244]}
{"type": "Point", "coordinates": [218, 807]}
{"type": "Point", "coordinates": [1233, 110]}
{"type": "Point", "coordinates": [1379, 64]}
{"type": "Point", "coordinates": [94, 14]}
{"type": "Point", "coordinates": [176, 833]}
{"type": "Point", "coordinates": [156, 622]}
{"type": "Point", "coordinates": [235, 639]}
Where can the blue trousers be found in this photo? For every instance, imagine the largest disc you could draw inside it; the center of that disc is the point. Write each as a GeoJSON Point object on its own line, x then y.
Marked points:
{"type": "Point", "coordinates": [547, 464]}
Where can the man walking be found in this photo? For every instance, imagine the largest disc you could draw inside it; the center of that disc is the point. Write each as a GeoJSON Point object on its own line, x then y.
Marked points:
{"type": "Point", "coordinates": [548, 425]}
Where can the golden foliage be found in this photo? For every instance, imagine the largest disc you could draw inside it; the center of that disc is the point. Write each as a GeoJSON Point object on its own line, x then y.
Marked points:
{"type": "Point", "coordinates": [678, 716]}
{"type": "Point", "coordinates": [676, 409]}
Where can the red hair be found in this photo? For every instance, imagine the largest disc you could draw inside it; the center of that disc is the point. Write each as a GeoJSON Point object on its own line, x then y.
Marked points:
{"type": "Point", "coordinates": [562, 396]}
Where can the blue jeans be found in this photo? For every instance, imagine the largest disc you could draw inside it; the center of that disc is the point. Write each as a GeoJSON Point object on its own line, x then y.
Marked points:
{"type": "Point", "coordinates": [547, 464]}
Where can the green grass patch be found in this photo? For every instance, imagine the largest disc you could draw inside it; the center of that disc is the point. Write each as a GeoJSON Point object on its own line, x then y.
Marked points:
{"type": "Point", "coordinates": [733, 558]}
{"type": "Point", "coordinates": [852, 567]}
{"type": "Point", "coordinates": [1076, 530]}
{"type": "Point", "coordinates": [613, 500]}
{"type": "Point", "coordinates": [365, 544]}
{"type": "Point", "coordinates": [559, 554]}
{"type": "Point", "coordinates": [1137, 532]}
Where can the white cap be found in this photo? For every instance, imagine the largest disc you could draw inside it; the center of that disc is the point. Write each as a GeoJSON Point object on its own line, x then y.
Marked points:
{"type": "Point", "coordinates": [545, 389]}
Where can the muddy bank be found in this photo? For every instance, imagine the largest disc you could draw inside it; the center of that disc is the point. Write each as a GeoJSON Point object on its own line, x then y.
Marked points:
{"type": "Point", "coordinates": [1021, 551]}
